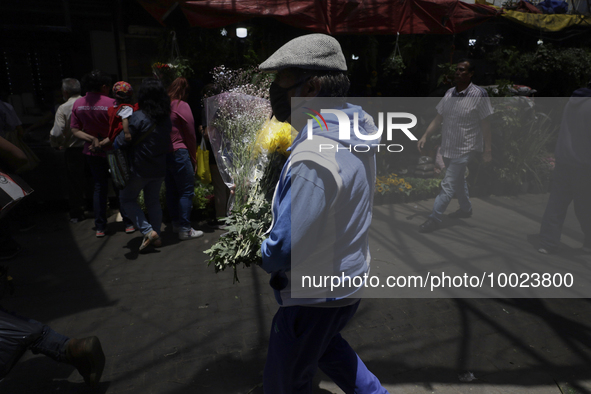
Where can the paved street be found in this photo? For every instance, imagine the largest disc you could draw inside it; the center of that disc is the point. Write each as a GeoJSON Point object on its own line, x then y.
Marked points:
{"type": "Point", "coordinates": [169, 324]}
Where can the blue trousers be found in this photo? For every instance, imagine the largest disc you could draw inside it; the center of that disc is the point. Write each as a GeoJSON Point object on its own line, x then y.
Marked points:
{"type": "Point", "coordinates": [129, 195]}
{"type": "Point", "coordinates": [180, 188]}
{"type": "Point", "coordinates": [17, 334]}
{"type": "Point", "coordinates": [305, 338]}
{"type": "Point", "coordinates": [569, 183]}
{"type": "Point", "coordinates": [454, 183]}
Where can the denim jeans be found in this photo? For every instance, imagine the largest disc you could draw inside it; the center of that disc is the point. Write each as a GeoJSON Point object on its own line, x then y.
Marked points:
{"type": "Point", "coordinates": [454, 183]}
{"type": "Point", "coordinates": [75, 173]}
{"type": "Point", "coordinates": [21, 334]}
{"type": "Point", "coordinates": [180, 188]}
{"type": "Point", "coordinates": [569, 183]}
{"type": "Point", "coordinates": [128, 198]}
{"type": "Point", "coordinates": [100, 173]}
{"type": "Point", "coordinates": [306, 338]}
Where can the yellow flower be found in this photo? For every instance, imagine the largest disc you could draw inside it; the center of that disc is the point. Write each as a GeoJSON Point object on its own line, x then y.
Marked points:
{"type": "Point", "coordinates": [275, 136]}
{"type": "Point", "coordinates": [408, 186]}
{"type": "Point", "coordinates": [380, 189]}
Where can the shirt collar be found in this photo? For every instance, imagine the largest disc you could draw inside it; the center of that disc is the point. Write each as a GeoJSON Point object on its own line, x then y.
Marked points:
{"type": "Point", "coordinates": [463, 92]}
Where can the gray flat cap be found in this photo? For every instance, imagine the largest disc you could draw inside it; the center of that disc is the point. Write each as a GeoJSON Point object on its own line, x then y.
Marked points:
{"type": "Point", "coordinates": [312, 52]}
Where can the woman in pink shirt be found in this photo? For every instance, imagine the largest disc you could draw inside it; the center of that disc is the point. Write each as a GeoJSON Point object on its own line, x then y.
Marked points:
{"type": "Point", "coordinates": [90, 123]}
{"type": "Point", "coordinates": [180, 163]}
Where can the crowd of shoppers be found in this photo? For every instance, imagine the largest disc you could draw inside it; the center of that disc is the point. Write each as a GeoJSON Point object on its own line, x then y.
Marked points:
{"type": "Point", "coordinates": [157, 134]}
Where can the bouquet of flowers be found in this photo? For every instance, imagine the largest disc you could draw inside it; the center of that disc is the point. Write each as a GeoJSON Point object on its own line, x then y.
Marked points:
{"type": "Point", "coordinates": [234, 120]}
{"type": "Point", "coordinates": [260, 160]}
{"type": "Point", "coordinates": [250, 151]}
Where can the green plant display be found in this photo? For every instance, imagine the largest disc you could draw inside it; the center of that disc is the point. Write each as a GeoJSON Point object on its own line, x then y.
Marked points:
{"type": "Point", "coordinates": [394, 64]}
{"type": "Point", "coordinates": [392, 184]}
{"type": "Point", "coordinates": [425, 188]}
{"type": "Point", "coordinates": [447, 73]}
{"type": "Point", "coordinates": [200, 200]}
{"type": "Point", "coordinates": [522, 146]}
{"type": "Point", "coordinates": [410, 187]}
{"type": "Point", "coordinates": [553, 70]}
{"type": "Point", "coordinates": [503, 89]}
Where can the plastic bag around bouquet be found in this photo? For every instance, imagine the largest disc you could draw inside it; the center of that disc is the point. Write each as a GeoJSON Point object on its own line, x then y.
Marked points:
{"type": "Point", "coordinates": [234, 120]}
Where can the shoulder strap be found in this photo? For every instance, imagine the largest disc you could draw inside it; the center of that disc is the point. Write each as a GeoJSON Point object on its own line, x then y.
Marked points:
{"type": "Point", "coordinates": [145, 135]}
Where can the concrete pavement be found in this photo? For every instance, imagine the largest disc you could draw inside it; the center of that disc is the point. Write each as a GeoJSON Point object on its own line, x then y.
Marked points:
{"type": "Point", "coordinates": [169, 324]}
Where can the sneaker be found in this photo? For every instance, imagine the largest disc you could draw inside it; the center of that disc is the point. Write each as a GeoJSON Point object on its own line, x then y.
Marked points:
{"type": "Point", "coordinates": [151, 239]}
{"type": "Point", "coordinates": [217, 224]}
{"type": "Point", "coordinates": [192, 234]}
{"type": "Point", "coordinates": [429, 226]}
{"type": "Point", "coordinates": [129, 229]}
{"type": "Point", "coordinates": [543, 251]}
{"type": "Point", "coordinates": [100, 233]}
{"type": "Point", "coordinates": [459, 214]}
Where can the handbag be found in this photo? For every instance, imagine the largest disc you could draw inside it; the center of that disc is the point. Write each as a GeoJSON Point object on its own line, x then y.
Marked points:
{"type": "Point", "coordinates": [118, 167]}
{"type": "Point", "coordinates": [16, 139]}
{"type": "Point", "coordinates": [119, 162]}
{"type": "Point", "coordinates": [203, 171]}
{"type": "Point", "coordinates": [12, 190]}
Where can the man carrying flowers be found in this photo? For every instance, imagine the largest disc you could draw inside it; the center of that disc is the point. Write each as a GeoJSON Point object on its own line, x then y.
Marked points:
{"type": "Point", "coordinates": [321, 216]}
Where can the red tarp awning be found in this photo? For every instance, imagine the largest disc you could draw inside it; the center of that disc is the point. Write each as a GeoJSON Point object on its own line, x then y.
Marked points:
{"type": "Point", "coordinates": [336, 16]}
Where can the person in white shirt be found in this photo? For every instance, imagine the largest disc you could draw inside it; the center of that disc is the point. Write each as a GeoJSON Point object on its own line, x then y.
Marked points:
{"type": "Point", "coordinates": [462, 115]}
{"type": "Point", "coordinates": [61, 137]}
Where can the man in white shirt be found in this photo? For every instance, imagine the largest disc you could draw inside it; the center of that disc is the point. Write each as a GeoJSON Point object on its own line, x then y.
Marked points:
{"type": "Point", "coordinates": [61, 137]}
{"type": "Point", "coordinates": [465, 131]}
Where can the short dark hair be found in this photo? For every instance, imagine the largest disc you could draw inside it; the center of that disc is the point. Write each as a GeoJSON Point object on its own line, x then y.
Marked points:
{"type": "Point", "coordinates": [471, 66]}
{"type": "Point", "coordinates": [153, 99]}
{"type": "Point", "coordinates": [333, 83]}
{"type": "Point", "coordinates": [95, 80]}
